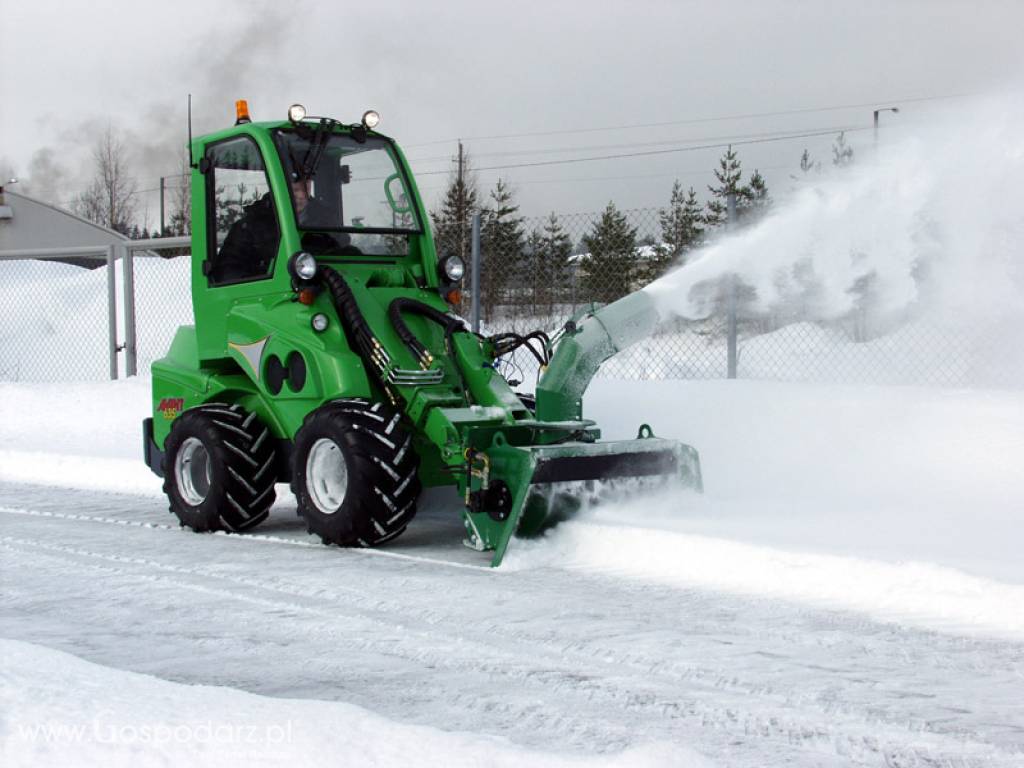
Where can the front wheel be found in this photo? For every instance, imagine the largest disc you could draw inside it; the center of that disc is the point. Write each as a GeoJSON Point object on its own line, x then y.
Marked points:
{"type": "Point", "coordinates": [355, 476]}
{"type": "Point", "coordinates": [219, 469]}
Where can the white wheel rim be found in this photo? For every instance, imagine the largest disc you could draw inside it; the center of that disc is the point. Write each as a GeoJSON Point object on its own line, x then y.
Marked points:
{"type": "Point", "coordinates": [192, 471]}
{"type": "Point", "coordinates": [326, 476]}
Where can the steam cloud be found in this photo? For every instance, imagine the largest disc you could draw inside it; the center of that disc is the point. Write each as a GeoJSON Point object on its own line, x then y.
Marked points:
{"type": "Point", "coordinates": [246, 53]}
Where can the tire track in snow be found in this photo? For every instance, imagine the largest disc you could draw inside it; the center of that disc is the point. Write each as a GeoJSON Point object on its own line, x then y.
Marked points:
{"type": "Point", "coordinates": [613, 656]}
{"type": "Point", "coordinates": [819, 728]}
{"type": "Point", "coordinates": [243, 537]}
{"type": "Point", "coordinates": [844, 620]}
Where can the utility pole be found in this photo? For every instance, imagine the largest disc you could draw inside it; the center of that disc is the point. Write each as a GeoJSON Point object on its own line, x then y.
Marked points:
{"type": "Point", "coordinates": [462, 207]}
{"type": "Point", "coordinates": [474, 275]}
{"type": "Point", "coordinates": [162, 205]}
{"type": "Point", "coordinates": [731, 330]}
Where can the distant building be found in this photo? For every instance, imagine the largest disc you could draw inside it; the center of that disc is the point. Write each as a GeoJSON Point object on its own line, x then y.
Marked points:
{"type": "Point", "coordinates": [27, 223]}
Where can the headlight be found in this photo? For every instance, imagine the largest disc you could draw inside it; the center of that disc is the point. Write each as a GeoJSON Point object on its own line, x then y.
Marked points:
{"type": "Point", "coordinates": [319, 322]}
{"type": "Point", "coordinates": [296, 113]}
{"type": "Point", "coordinates": [453, 268]}
{"type": "Point", "coordinates": [371, 119]}
{"type": "Point", "coordinates": [303, 266]}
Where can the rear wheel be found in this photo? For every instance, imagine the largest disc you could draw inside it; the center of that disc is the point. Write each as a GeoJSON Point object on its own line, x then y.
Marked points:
{"type": "Point", "coordinates": [218, 468]}
{"type": "Point", "coordinates": [355, 476]}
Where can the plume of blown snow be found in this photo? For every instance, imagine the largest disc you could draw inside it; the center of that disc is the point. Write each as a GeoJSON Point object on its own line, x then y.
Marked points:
{"type": "Point", "coordinates": [934, 222]}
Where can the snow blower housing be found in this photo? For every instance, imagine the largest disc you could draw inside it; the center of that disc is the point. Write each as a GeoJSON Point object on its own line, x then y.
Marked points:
{"type": "Point", "coordinates": [325, 354]}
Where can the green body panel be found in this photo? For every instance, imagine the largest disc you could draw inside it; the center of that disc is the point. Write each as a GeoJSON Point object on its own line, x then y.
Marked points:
{"type": "Point", "coordinates": [469, 428]}
{"type": "Point", "coordinates": [179, 383]}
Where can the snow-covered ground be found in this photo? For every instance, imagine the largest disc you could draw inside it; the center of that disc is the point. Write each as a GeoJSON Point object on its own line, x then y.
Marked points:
{"type": "Point", "coordinates": [63, 711]}
{"type": "Point", "coordinates": [849, 590]}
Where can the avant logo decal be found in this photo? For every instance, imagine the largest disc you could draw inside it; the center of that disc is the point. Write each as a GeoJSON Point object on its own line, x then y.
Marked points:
{"type": "Point", "coordinates": [170, 407]}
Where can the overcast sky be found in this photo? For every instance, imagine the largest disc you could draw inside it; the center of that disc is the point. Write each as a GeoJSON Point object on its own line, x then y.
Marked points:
{"type": "Point", "coordinates": [439, 71]}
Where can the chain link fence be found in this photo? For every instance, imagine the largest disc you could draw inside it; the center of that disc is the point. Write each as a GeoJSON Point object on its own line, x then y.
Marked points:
{"type": "Point", "coordinates": [535, 275]}
{"type": "Point", "coordinates": [56, 319]}
{"type": "Point", "coordinates": [163, 302]}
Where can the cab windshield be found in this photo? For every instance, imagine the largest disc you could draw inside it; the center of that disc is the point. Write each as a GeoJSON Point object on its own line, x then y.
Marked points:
{"type": "Point", "coordinates": [349, 197]}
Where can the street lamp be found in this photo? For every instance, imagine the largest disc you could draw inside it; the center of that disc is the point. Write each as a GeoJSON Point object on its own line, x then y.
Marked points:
{"type": "Point", "coordinates": [894, 110]}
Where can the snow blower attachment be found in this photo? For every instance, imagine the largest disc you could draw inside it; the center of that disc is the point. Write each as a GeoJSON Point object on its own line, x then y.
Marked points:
{"type": "Point", "coordinates": [325, 354]}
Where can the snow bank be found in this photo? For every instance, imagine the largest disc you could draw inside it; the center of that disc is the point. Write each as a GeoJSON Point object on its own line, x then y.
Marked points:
{"type": "Point", "coordinates": [55, 317]}
{"type": "Point", "coordinates": [918, 594]}
{"type": "Point", "coordinates": [86, 435]}
{"type": "Point", "coordinates": [903, 503]}
{"type": "Point", "coordinates": [84, 419]}
{"type": "Point", "coordinates": [61, 710]}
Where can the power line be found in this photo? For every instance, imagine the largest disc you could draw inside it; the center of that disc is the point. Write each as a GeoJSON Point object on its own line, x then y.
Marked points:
{"type": "Point", "coordinates": [737, 139]}
{"type": "Point", "coordinates": [719, 142]}
{"type": "Point", "coordinates": [652, 152]}
{"type": "Point", "coordinates": [680, 174]}
{"type": "Point", "coordinates": [697, 120]}
{"type": "Point", "coordinates": [594, 147]}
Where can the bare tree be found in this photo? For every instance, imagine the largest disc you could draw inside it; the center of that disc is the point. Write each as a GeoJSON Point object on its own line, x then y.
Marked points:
{"type": "Point", "coordinates": [110, 198]}
{"type": "Point", "coordinates": [181, 200]}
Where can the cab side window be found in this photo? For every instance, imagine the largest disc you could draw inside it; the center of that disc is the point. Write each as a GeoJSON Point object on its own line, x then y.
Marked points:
{"type": "Point", "coordinates": [243, 229]}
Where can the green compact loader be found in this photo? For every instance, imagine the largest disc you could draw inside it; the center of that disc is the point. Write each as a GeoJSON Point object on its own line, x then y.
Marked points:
{"type": "Point", "coordinates": [326, 353]}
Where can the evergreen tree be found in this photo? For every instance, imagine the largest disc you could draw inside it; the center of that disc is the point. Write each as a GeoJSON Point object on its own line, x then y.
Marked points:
{"type": "Point", "coordinates": [550, 249]}
{"type": "Point", "coordinates": [501, 249]}
{"type": "Point", "coordinates": [611, 268]}
{"type": "Point", "coordinates": [755, 199]}
{"type": "Point", "coordinates": [807, 165]}
{"type": "Point", "coordinates": [682, 229]}
{"type": "Point", "coordinates": [452, 222]}
{"type": "Point", "coordinates": [751, 198]}
{"type": "Point", "coordinates": [728, 174]}
{"type": "Point", "coordinates": [842, 153]}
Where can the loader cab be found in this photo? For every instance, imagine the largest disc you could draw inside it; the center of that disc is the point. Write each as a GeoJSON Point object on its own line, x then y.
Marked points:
{"type": "Point", "coordinates": [263, 192]}
{"type": "Point", "coordinates": [350, 196]}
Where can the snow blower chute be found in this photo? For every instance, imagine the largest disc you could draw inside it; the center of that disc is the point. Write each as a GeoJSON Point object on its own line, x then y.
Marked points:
{"type": "Point", "coordinates": [325, 354]}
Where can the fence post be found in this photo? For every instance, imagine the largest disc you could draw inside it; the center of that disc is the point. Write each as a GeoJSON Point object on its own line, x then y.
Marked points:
{"type": "Point", "coordinates": [730, 225]}
{"type": "Point", "coordinates": [128, 268]}
{"type": "Point", "coordinates": [112, 310]}
{"type": "Point", "coordinates": [475, 274]}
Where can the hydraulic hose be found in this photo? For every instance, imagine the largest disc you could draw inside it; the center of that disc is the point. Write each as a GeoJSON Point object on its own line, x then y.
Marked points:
{"type": "Point", "coordinates": [450, 323]}
{"type": "Point", "coordinates": [359, 332]}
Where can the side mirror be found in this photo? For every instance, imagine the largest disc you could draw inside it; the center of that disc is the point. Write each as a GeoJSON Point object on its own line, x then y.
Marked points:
{"type": "Point", "coordinates": [346, 174]}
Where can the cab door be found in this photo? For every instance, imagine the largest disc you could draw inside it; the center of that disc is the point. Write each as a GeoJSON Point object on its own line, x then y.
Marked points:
{"type": "Point", "coordinates": [242, 238]}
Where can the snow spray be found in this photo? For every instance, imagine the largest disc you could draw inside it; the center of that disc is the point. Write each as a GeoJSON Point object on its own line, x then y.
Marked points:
{"type": "Point", "coordinates": [934, 220]}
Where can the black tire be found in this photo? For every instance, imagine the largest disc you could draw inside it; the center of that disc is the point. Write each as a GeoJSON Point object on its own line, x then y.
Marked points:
{"type": "Point", "coordinates": [219, 468]}
{"type": "Point", "coordinates": [376, 499]}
